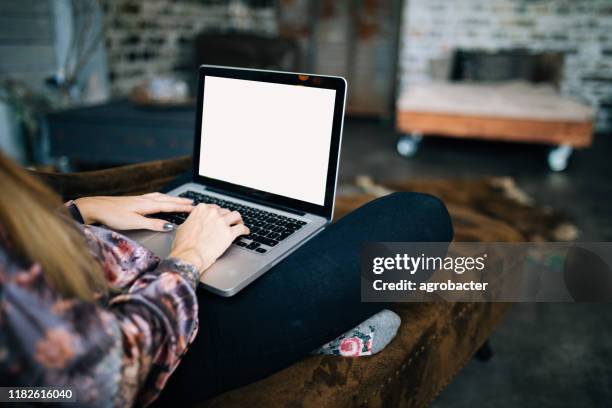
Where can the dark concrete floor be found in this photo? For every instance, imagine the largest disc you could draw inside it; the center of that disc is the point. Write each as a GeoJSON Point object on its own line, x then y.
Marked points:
{"type": "Point", "coordinates": [546, 355]}
{"type": "Point", "coordinates": [583, 191]}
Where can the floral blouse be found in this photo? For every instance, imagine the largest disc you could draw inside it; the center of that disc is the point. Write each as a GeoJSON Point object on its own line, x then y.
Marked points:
{"type": "Point", "coordinates": [118, 352]}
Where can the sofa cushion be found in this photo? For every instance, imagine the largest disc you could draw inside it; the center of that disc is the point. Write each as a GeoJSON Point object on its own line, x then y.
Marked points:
{"type": "Point", "coordinates": [433, 344]}
{"type": "Point", "coordinates": [435, 339]}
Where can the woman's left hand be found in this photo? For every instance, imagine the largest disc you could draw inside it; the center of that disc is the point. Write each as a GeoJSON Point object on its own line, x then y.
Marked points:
{"type": "Point", "coordinates": [127, 213]}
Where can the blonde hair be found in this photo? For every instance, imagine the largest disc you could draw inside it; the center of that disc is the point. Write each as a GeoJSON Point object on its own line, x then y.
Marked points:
{"type": "Point", "coordinates": [32, 224]}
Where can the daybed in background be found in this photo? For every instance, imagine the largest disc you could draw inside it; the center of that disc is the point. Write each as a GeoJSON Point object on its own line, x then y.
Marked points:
{"type": "Point", "coordinates": [509, 96]}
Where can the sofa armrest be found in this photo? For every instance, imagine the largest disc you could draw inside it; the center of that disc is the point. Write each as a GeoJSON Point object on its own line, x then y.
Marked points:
{"type": "Point", "coordinates": [123, 180]}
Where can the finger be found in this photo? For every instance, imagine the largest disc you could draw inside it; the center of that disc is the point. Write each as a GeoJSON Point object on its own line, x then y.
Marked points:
{"type": "Point", "coordinates": [239, 229]}
{"type": "Point", "coordinates": [172, 199]}
{"type": "Point", "coordinates": [214, 208]}
{"type": "Point", "coordinates": [177, 202]}
{"type": "Point", "coordinates": [200, 210]}
{"type": "Point", "coordinates": [153, 224]}
{"type": "Point", "coordinates": [152, 195]}
{"type": "Point", "coordinates": [164, 206]}
{"type": "Point", "coordinates": [224, 211]}
{"type": "Point", "coordinates": [233, 217]}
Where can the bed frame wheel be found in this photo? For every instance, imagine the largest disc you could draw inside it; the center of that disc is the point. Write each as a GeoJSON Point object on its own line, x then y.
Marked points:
{"type": "Point", "coordinates": [558, 157]}
{"type": "Point", "coordinates": [485, 352]}
{"type": "Point", "coordinates": [408, 144]}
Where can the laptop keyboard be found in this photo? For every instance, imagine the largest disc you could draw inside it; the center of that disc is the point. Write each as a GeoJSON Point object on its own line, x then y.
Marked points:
{"type": "Point", "coordinates": [267, 229]}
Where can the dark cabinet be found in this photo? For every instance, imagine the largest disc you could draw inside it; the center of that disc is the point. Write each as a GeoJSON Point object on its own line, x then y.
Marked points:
{"type": "Point", "coordinates": [119, 132]}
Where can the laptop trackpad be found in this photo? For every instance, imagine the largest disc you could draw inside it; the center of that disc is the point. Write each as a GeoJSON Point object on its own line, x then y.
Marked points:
{"type": "Point", "coordinates": [160, 244]}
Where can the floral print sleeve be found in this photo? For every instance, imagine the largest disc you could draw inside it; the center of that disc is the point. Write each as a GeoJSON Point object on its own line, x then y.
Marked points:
{"type": "Point", "coordinates": [117, 352]}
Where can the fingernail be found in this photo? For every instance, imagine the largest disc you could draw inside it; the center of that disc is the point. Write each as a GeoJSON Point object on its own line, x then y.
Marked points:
{"type": "Point", "coordinates": [168, 226]}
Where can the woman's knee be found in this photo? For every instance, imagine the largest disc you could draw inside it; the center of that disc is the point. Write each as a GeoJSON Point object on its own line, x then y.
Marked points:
{"type": "Point", "coordinates": [426, 207]}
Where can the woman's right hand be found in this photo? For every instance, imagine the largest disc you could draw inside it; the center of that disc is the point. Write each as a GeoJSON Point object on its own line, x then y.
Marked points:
{"type": "Point", "coordinates": [206, 234]}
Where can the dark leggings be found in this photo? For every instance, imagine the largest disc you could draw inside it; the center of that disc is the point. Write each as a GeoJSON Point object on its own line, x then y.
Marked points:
{"type": "Point", "coordinates": [306, 300]}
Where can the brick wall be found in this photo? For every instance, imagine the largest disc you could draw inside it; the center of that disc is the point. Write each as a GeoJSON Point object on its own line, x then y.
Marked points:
{"type": "Point", "coordinates": [154, 36]}
{"type": "Point", "coordinates": [150, 37]}
{"type": "Point", "coordinates": [432, 29]}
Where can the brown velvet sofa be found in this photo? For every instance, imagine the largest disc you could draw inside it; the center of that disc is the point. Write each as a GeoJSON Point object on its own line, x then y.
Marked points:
{"type": "Point", "coordinates": [434, 342]}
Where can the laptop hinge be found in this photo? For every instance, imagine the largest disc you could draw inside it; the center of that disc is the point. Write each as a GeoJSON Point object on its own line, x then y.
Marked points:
{"type": "Point", "coordinates": [243, 197]}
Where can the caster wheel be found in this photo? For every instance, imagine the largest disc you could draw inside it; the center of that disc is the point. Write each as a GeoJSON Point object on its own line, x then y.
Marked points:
{"type": "Point", "coordinates": [558, 157]}
{"type": "Point", "coordinates": [408, 145]}
{"type": "Point", "coordinates": [485, 352]}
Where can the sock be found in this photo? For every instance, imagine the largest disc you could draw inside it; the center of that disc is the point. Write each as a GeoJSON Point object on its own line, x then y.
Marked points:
{"type": "Point", "coordinates": [370, 337]}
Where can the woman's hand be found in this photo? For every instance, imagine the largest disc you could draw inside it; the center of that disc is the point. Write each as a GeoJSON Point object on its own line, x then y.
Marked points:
{"type": "Point", "coordinates": [127, 213]}
{"type": "Point", "coordinates": [206, 234]}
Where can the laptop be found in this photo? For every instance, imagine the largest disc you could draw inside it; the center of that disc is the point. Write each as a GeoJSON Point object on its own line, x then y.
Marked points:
{"type": "Point", "coordinates": [267, 144]}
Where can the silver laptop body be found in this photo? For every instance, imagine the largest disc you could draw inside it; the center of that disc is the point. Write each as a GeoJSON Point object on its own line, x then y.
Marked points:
{"type": "Point", "coordinates": [301, 200]}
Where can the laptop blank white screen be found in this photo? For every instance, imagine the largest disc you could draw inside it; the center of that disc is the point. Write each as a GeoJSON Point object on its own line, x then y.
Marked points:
{"type": "Point", "coordinates": [270, 137]}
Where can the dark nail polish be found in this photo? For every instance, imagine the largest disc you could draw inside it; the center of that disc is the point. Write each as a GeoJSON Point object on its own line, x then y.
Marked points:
{"type": "Point", "coordinates": [168, 226]}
